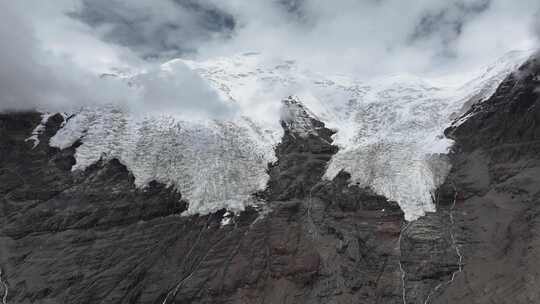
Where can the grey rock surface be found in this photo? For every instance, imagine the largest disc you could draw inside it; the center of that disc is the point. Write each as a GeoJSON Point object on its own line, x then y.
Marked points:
{"type": "Point", "coordinates": [496, 172]}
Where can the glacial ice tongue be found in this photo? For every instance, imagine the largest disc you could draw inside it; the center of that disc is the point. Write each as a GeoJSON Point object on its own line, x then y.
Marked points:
{"type": "Point", "coordinates": [214, 164]}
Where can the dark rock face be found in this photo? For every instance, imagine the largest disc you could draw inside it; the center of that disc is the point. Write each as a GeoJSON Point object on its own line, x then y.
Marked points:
{"type": "Point", "coordinates": [301, 159]}
{"type": "Point", "coordinates": [496, 172]}
{"type": "Point", "coordinates": [93, 237]}
{"type": "Point", "coordinates": [352, 231]}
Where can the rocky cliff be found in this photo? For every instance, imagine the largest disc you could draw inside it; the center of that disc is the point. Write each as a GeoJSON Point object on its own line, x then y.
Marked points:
{"type": "Point", "coordinates": [496, 181]}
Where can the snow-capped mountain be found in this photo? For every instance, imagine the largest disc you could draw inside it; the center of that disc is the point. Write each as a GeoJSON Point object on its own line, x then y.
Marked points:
{"type": "Point", "coordinates": [389, 131]}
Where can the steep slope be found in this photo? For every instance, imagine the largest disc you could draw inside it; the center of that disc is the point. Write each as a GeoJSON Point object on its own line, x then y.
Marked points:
{"type": "Point", "coordinates": [496, 177]}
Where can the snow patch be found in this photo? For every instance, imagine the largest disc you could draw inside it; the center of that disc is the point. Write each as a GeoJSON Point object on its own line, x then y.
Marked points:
{"type": "Point", "coordinates": [227, 218]}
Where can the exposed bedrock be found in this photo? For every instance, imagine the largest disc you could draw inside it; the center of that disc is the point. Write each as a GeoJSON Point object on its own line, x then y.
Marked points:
{"type": "Point", "coordinates": [496, 171]}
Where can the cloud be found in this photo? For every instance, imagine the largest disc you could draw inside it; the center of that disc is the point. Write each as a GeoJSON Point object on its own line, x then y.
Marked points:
{"type": "Point", "coordinates": [56, 66]}
{"type": "Point", "coordinates": [446, 23]}
{"type": "Point", "coordinates": [386, 36]}
{"type": "Point", "coordinates": [57, 50]}
{"type": "Point", "coordinates": [178, 91]}
{"type": "Point", "coordinates": [536, 25]}
{"type": "Point", "coordinates": [30, 75]}
{"type": "Point", "coordinates": [156, 29]}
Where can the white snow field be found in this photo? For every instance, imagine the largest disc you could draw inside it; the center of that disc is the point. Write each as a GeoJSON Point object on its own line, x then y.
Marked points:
{"type": "Point", "coordinates": [389, 130]}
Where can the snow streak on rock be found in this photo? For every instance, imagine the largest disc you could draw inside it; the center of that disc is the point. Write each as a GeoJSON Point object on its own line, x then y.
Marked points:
{"type": "Point", "coordinates": [401, 269]}
{"type": "Point", "coordinates": [34, 138]}
{"type": "Point", "coordinates": [3, 287]}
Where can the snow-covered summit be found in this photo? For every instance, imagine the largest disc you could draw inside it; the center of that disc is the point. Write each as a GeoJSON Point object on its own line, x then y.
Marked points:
{"type": "Point", "coordinates": [389, 131]}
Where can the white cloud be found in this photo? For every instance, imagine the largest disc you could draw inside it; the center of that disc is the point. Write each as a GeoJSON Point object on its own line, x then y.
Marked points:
{"type": "Point", "coordinates": [536, 25]}
{"type": "Point", "coordinates": [52, 62]}
{"type": "Point", "coordinates": [52, 59]}
{"type": "Point", "coordinates": [156, 28]}
{"type": "Point", "coordinates": [380, 37]}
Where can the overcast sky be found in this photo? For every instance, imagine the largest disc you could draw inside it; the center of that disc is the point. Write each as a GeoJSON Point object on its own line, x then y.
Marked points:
{"type": "Point", "coordinates": [53, 51]}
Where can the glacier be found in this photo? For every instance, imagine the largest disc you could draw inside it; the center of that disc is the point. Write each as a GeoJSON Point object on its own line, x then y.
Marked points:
{"type": "Point", "coordinates": [389, 131]}
{"type": "Point", "coordinates": [215, 164]}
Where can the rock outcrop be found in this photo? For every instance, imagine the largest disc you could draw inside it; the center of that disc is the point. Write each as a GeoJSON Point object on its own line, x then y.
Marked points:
{"type": "Point", "coordinates": [496, 176]}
